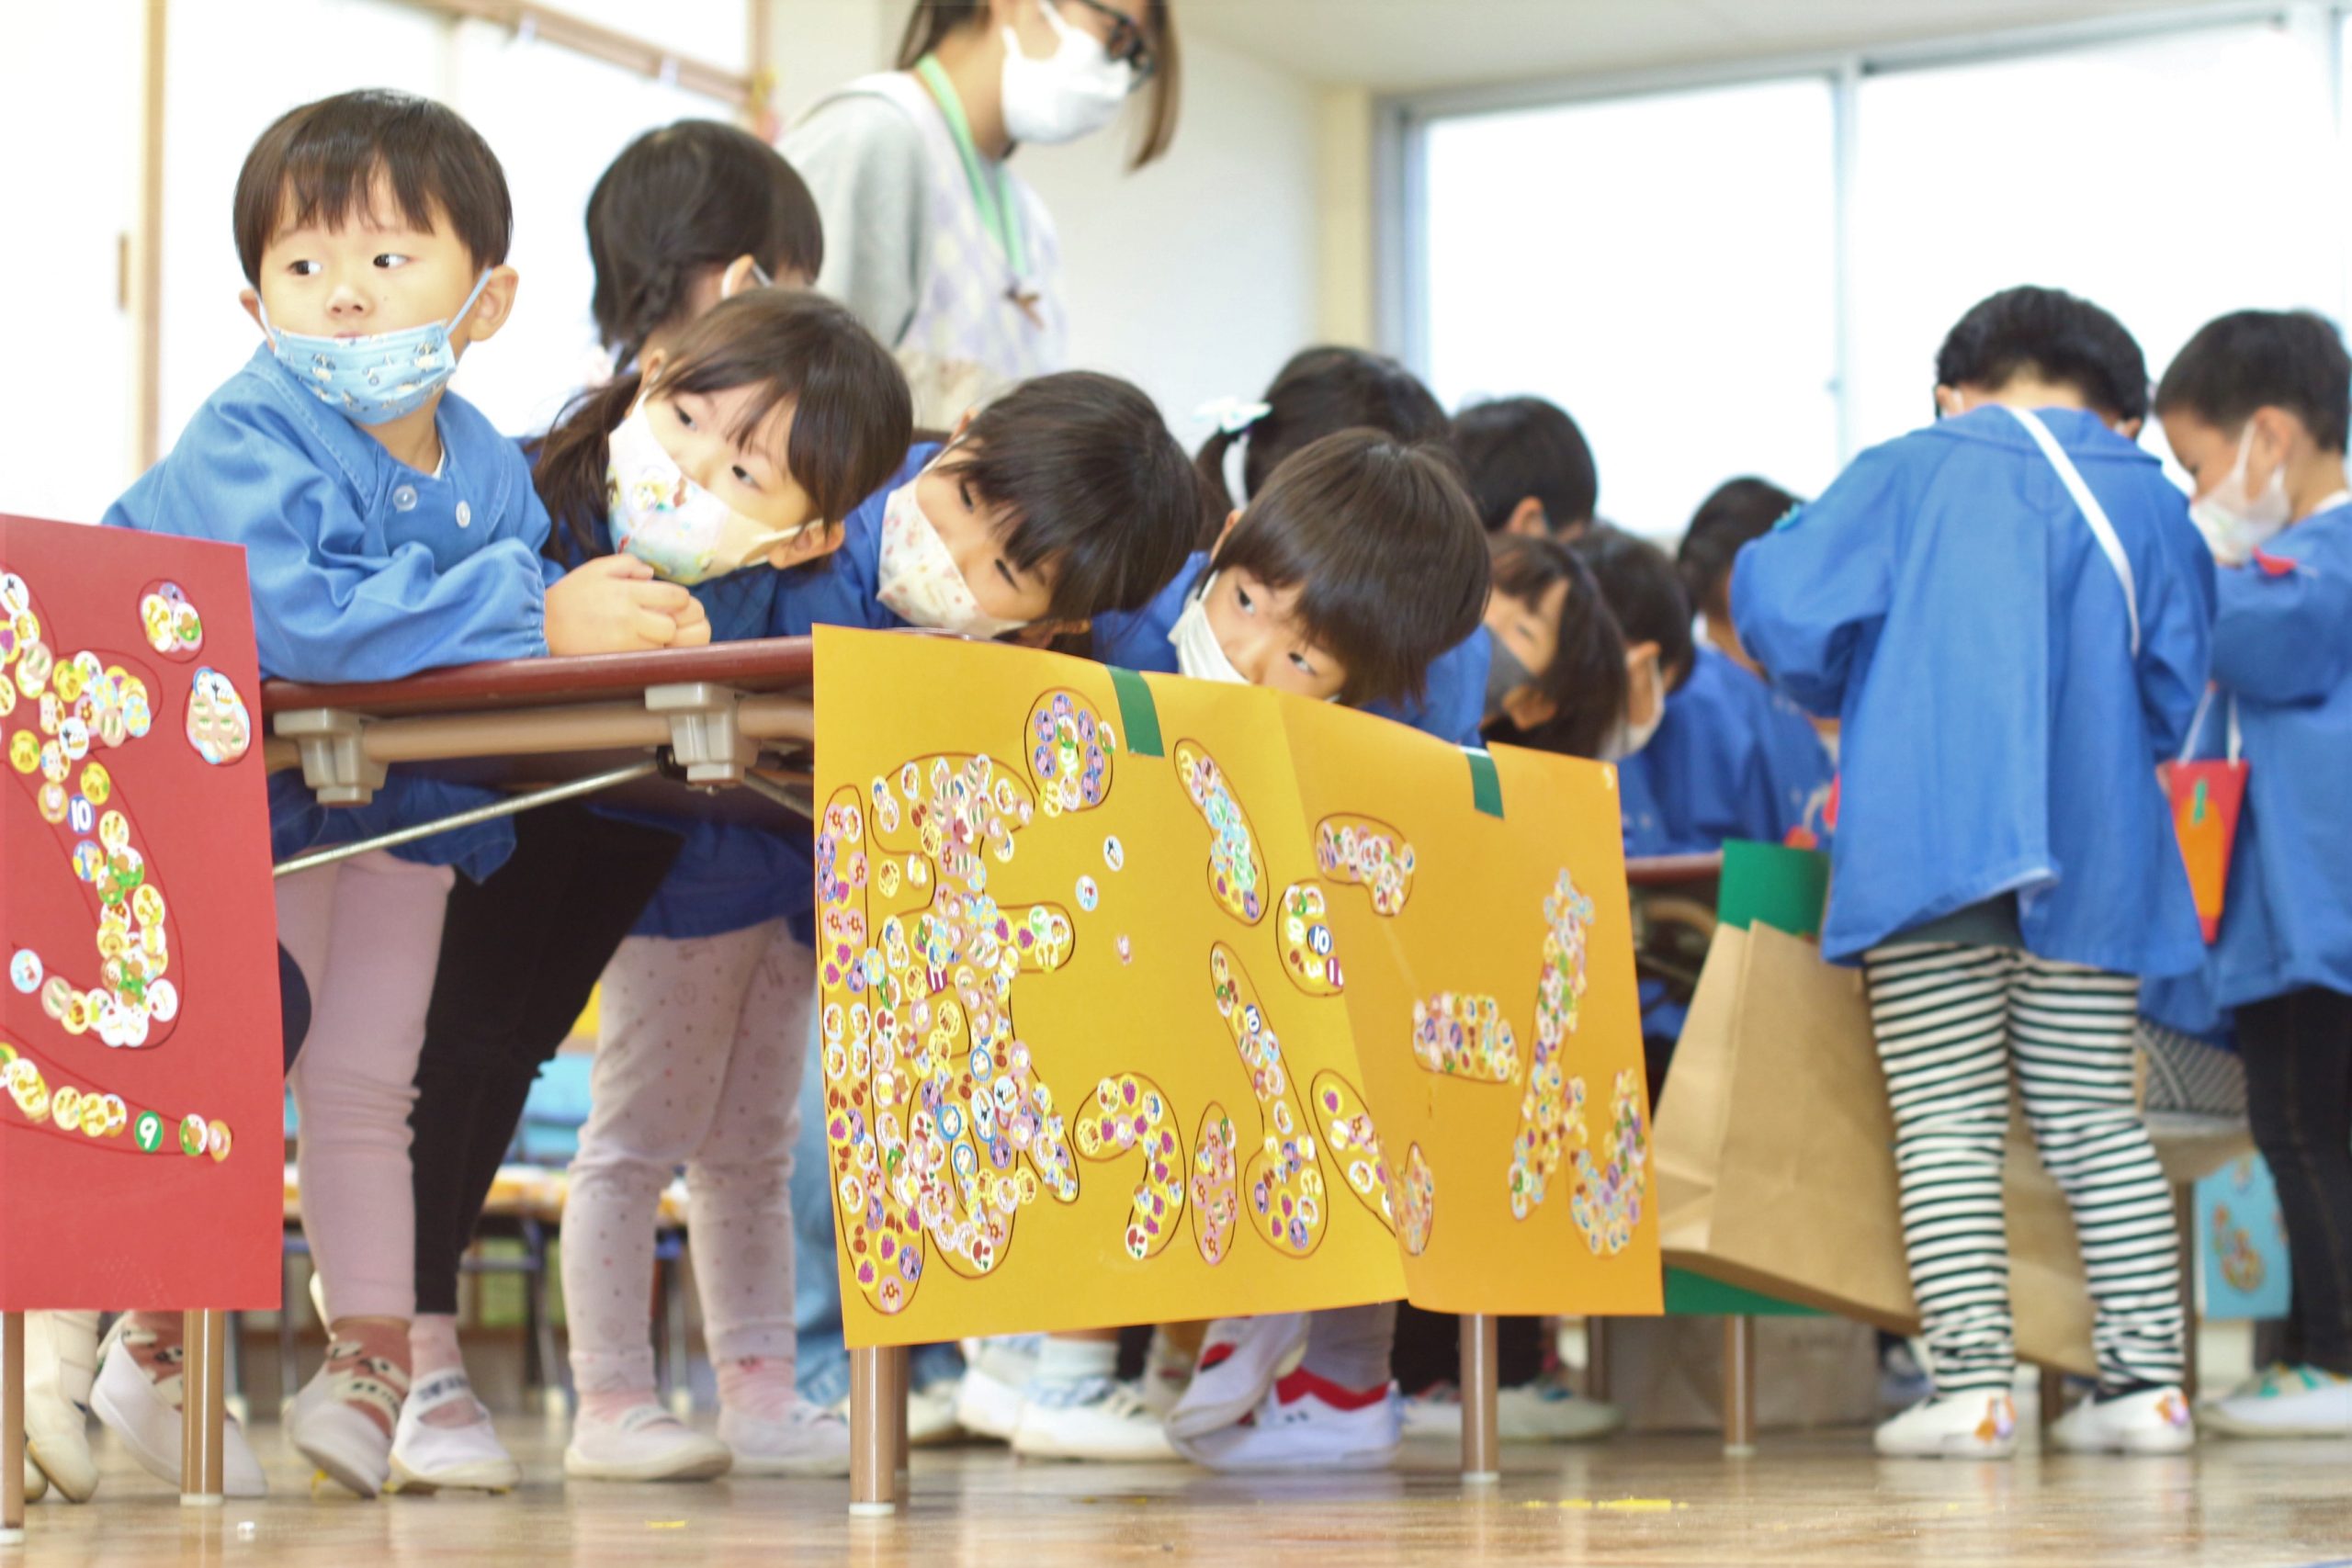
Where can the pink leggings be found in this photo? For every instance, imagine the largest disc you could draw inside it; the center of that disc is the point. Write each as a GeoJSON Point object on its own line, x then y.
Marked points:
{"type": "Point", "coordinates": [366, 934]}
{"type": "Point", "coordinates": [698, 1060]}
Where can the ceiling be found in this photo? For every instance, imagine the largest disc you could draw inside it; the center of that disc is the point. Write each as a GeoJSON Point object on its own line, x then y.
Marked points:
{"type": "Point", "coordinates": [1419, 45]}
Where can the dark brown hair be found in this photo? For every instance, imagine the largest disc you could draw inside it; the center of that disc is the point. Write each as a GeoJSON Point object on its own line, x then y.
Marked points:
{"type": "Point", "coordinates": [1739, 510]}
{"type": "Point", "coordinates": [1585, 680]}
{"type": "Point", "coordinates": [1319, 393]}
{"type": "Point", "coordinates": [321, 163]}
{"type": "Point", "coordinates": [852, 411]}
{"type": "Point", "coordinates": [1382, 546]}
{"type": "Point", "coordinates": [1645, 592]}
{"type": "Point", "coordinates": [1098, 493]}
{"type": "Point", "coordinates": [1516, 448]}
{"type": "Point", "coordinates": [932, 21]}
{"type": "Point", "coordinates": [682, 198]}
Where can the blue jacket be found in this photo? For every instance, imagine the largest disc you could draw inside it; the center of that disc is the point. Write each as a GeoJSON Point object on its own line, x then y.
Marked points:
{"type": "Point", "coordinates": [1947, 600]}
{"type": "Point", "coordinates": [2282, 650]}
{"type": "Point", "coordinates": [730, 875]}
{"type": "Point", "coordinates": [1451, 707]}
{"type": "Point", "coordinates": [1732, 759]}
{"type": "Point", "coordinates": [362, 569]}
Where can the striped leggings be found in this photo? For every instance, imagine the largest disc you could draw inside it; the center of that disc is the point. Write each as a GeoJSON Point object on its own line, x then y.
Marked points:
{"type": "Point", "coordinates": [1948, 1020]}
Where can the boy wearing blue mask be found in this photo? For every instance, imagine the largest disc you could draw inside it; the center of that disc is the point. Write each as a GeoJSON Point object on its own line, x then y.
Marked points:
{"type": "Point", "coordinates": [388, 528]}
{"type": "Point", "coordinates": [2011, 615]}
{"type": "Point", "coordinates": [2256, 409]}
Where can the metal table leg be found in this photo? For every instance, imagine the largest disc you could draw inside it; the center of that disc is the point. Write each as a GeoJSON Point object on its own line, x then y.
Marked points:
{"type": "Point", "coordinates": [1739, 1387]}
{"type": "Point", "coordinates": [204, 1411]}
{"type": "Point", "coordinates": [1481, 1439]}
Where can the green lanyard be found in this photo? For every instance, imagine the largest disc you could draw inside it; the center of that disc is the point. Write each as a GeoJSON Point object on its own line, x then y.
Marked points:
{"type": "Point", "coordinates": [997, 215]}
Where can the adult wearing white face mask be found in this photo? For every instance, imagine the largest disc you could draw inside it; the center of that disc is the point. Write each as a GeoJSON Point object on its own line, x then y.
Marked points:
{"type": "Point", "coordinates": [943, 251]}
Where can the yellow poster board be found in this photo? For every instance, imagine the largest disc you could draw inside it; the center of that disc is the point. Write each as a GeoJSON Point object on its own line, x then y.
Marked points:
{"type": "Point", "coordinates": [1147, 999]}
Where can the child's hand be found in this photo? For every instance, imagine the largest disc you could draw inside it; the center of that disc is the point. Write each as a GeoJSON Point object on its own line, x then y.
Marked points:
{"type": "Point", "coordinates": [614, 606]}
{"type": "Point", "coordinates": [694, 626]}
{"type": "Point", "coordinates": [812, 543]}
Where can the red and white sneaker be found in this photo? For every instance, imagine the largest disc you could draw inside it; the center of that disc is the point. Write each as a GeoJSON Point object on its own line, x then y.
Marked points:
{"type": "Point", "coordinates": [1305, 1422]}
{"type": "Point", "coordinates": [1239, 1358]}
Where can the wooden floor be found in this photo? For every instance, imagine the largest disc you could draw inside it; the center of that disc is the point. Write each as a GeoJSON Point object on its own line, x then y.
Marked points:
{"type": "Point", "coordinates": [1813, 1500]}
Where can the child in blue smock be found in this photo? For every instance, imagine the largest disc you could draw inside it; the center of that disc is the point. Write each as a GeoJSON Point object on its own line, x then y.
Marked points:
{"type": "Point", "coordinates": [735, 452]}
{"type": "Point", "coordinates": [685, 217]}
{"type": "Point", "coordinates": [2256, 409]}
{"type": "Point", "coordinates": [1529, 468]}
{"type": "Point", "coordinates": [1319, 392]}
{"type": "Point", "coordinates": [1355, 565]}
{"type": "Point", "coordinates": [1759, 748]}
{"type": "Point", "coordinates": [386, 528]}
{"type": "Point", "coordinates": [1063, 500]}
{"type": "Point", "coordinates": [2011, 614]}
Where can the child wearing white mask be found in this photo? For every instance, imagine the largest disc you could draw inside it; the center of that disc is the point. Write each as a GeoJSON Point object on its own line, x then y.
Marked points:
{"type": "Point", "coordinates": [2256, 409]}
{"type": "Point", "coordinates": [949, 256]}
{"type": "Point", "coordinates": [1358, 563]}
{"type": "Point", "coordinates": [726, 458]}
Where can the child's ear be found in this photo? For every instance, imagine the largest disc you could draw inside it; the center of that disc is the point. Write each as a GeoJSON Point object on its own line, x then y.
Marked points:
{"type": "Point", "coordinates": [1949, 402]}
{"type": "Point", "coordinates": [742, 274]}
{"type": "Point", "coordinates": [2129, 429]}
{"type": "Point", "coordinates": [251, 300]}
{"type": "Point", "coordinates": [1224, 533]}
{"type": "Point", "coordinates": [962, 423]}
{"type": "Point", "coordinates": [1527, 520]}
{"type": "Point", "coordinates": [492, 309]}
{"type": "Point", "coordinates": [1528, 708]}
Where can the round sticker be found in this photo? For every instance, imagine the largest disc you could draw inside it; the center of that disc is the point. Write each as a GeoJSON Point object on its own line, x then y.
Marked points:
{"type": "Point", "coordinates": [217, 1140]}
{"type": "Point", "coordinates": [163, 1000]}
{"type": "Point", "coordinates": [194, 1134]}
{"type": "Point", "coordinates": [1088, 895]}
{"type": "Point", "coordinates": [171, 623]}
{"type": "Point", "coordinates": [218, 725]}
{"type": "Point", "coordinates": [1114, 854]}
{"type": "Point", "coordinates": [148, 1132]}
{"type": "Point", "coordinates": [1127, 949]}
{"type": "Point", "coordinates": [24, 971]}
{"type": "Point", "coordinates": [24, 751]}
{"type": "Point", "coordinates": [96, 782]}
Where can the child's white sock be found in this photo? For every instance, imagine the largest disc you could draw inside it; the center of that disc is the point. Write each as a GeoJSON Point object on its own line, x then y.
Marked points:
{"type": "Point", "coordinates": [1065, 1361]}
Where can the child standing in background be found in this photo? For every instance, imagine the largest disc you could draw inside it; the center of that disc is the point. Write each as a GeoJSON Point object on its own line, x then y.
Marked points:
{"type": "Point", "coordinates": [685, 217]}
{"type": "Point", "coordinates": [388, 528]}
{"type": "Point", "coordinates": [2256, 409]}
{"type": "Point", "coordinates": [2005, 865]}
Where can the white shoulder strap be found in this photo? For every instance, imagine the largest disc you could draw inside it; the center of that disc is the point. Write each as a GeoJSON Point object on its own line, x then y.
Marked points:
{"type": "Point", "coordinates": [2093, 514]}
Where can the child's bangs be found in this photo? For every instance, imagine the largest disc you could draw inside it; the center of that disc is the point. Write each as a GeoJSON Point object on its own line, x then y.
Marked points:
{"type": "Point", "coordinates": [343, 183]}
{"type": "Point", "coordinates": [720, 370]}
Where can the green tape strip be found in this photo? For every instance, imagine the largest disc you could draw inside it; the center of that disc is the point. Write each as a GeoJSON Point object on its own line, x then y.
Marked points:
{"type": "Point", "coordinates": [1138, 715]}
{"type": "Point", "coordinates": [1486, 785]}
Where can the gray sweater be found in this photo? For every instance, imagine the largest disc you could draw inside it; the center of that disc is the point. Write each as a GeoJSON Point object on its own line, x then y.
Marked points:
{"type": "Point", "coordinates": [865, 162]}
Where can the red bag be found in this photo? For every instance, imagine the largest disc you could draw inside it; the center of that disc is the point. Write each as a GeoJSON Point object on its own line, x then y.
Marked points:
{"type": "Point", "coordinates": [2206, 799]}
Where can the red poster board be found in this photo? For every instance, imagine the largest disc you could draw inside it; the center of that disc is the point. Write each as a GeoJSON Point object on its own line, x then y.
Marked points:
{"type": "Point", "coordinates": [142, 1146]}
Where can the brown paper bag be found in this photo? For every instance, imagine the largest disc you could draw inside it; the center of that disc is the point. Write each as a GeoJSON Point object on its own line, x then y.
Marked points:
{"type": "Point", "coordinates": [1777, 1133]}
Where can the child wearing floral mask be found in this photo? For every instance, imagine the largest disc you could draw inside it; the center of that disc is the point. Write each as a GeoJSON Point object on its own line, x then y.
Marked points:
{"type": "Point", "coordinates": [388, 528]}
{"type": "Point", "coordinates": [1065, 499]}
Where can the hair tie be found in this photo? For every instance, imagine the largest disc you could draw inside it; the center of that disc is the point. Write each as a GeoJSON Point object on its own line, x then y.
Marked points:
{"type": "Point", "coordinates": [1230, 415]}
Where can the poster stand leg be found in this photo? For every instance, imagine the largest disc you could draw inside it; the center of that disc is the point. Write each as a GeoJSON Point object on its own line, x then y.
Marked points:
{"type": "Point", "coordinates": [12, 1428]}
{"type": "Point", "coordinates": [2054, 1396]}
{"type": "Point", "coordinates": [1739, 1387]}
{"type": "Point", "coordinates": [204, 1408]}
{"type": "Point", "coordinates": [1596, 1359]}
{"type": "Point", "coordinates": [903, 1378]}
{"type": "Point", "coordinates": [1481, 1439]}
{"type": "Point", "coordinates": [876, 1417]}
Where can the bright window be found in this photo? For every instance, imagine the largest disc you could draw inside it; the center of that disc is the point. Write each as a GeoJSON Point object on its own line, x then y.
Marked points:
{"type": "Point", "coordinates": [1659, 267]}
{"type": "Point", "coordinates": [2169, 180]}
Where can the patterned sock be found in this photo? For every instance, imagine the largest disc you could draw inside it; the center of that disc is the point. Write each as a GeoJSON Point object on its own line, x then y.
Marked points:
{"type": "Point", "coordinates": [608, 1406]}
{"type": "Point", "coordinates": [1065, 1362]}
{"type": "Point", "coordinates": [758, 1386]}
{"type": "Point", "coordinates": [153, 1341]}
{"type": "Point", "coordinates": [372, 1353]}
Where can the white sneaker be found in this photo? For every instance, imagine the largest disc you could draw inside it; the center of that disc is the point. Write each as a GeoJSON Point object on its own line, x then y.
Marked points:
{"type": "Point", "coordinates": [1240, 1359]}
{"type": "Point", "coordinates": [807, 1441]}
{"type": "Point", "coordinates": [1099, 1419]}
{"type": "Point", "coordinates": [144, 1415]}
{"type": "Point", "coordinates": [329, 1427]}
{"type": "Point", "coordinates": [996, 1374]}
{"type": "Point", "coordinates": [36, 1484]}
{"type": "Point", "coordinates": [646, 1443]}
{"type": "Point", "coordinates": [1962, 1426]}
{"type": "Point", "coordinates": [428, 1456]}
{"type": "Point", "coordinates": [931, 1415]}
{"type": "Point", "coordinates": [2150, 1421]}
{"type": "Point", "coordinates": [1544, 1411]}
{"type": "Point", "coordinates": [2285, 1401]}
{"type": "Point", "coordinates": [1295, 1427]}
{"type": "Point", "coordinates": [1166, 1375]}
{"type": "Point", "coordinates": [61, 1364]}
